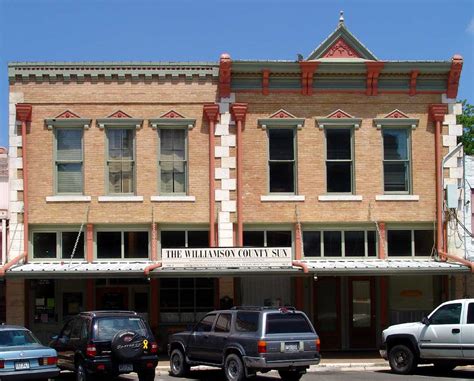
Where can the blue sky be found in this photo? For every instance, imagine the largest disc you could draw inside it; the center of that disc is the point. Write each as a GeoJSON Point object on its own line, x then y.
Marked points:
{"type": "Point", "coordinates": [200, 30]}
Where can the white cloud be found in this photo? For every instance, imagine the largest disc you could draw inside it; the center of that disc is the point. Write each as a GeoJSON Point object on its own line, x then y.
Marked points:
{"type": "Point", "coordinates": [470, 27]}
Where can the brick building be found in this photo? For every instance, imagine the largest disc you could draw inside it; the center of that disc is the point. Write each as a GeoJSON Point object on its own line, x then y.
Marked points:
{"type": "Point", "coordinates": [176, 188]}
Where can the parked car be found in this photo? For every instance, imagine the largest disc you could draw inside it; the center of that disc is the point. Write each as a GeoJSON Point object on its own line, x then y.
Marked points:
{"type": "Point", "coordinates": [247, 340]}
{"type": "Point", "coordinates": [106, 344]}
{"type": "Point", "coordinates": [444, 338]}
{"type": "Point", "coordinates": [23, 357]}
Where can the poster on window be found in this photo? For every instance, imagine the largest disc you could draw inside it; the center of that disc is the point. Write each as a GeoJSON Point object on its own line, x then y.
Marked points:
{"type": "Point", "coordinates": [227, 257]}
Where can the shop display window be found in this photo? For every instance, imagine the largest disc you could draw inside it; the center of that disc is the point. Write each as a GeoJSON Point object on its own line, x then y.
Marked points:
{"type": "Point", "coordinates": [44, 301]}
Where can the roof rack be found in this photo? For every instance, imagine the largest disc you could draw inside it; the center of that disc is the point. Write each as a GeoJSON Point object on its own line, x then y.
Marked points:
{"type": "Point", "coordinates": [264, 308]}
{"type": "Point", "coordinates": [105, 312]}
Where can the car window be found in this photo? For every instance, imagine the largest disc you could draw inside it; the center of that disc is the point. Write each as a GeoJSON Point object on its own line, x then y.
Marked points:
{"type": "Point", "coordinates": [205, 324]}
{"type": "Point", "coordinates": [223, 323]}
{"type": "Point", "coordinates": [66, 332]}
{"type": "Point", "coordinates": [76, 329]}
{"type": "Point", "coordinates": [85, 329]}
{"type": "Point", "coordinates": [17, 337]}
{"type": "Point", "coordinates": [287, 323]}
{"type": "Point", "coordinates": [247, 321]}
{"type": "Point", "coordinates": [470, 313]}
{"type": "Point", "coordinates": [105, 328]}
{"type": "Point", "coordinates": [448, 314]}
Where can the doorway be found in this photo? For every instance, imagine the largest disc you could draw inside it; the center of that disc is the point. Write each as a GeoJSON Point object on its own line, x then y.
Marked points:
{"type": "Point", "coordinates": [112, 298]}
{"type": "Point", "coordinates": [361, 312]}
{"type": "Point", "coordinates": [327, 312]}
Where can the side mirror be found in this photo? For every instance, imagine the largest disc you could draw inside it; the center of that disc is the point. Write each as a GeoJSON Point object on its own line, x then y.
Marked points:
{"type": "Point", "coordinates": [425, 321]}
{"type": "Point", "coordinates": [54, 337]}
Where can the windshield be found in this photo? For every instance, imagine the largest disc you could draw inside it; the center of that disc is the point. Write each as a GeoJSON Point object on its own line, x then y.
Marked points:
{"type": "Point", "coordinates": [287, 323]}
{"type": "Point", "coordinates": [17, 337]}
{"type": "Point", "coordinates": [106, 328]}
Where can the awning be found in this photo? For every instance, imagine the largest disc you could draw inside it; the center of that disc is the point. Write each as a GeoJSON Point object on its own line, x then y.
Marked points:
{"type": "Point", "coordinates": [383, 267]}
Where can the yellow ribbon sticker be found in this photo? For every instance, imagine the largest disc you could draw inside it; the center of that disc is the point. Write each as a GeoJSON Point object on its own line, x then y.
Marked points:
{"type": "Point", "coordinates": [145, 344]}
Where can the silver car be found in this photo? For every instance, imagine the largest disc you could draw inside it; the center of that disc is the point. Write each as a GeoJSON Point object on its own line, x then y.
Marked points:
{"type": "Point", "coordinates": [23, 357]}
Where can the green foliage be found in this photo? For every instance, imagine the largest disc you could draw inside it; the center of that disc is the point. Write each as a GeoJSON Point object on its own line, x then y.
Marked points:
{"type": "Point", "coordinates": [467, 121]}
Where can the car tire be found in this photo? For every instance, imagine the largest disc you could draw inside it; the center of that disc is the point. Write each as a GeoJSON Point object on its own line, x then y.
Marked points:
{"type": "Point", "coordinates": [82, 374]}
{"type": "Point", "coordinates": [402, 360]}
{"type": "Point", "coordinates": [290, 375]}
{"type": "Point", "coordinates": [178, 365]}
{"type": "Point", "coordinates": [146, 376]}
{"type": "Point", "coordinates": [444, 366]}
{"type": "Point", "coordinates": [234, 368]}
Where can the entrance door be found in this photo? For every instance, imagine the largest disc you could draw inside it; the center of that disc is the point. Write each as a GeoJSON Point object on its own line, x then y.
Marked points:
{"type": "Point", "coordinates": [361, 313]}
{"type": "Point", "coordinates": [112, 298]}
{"type": "Point", "coordinates": [327, 312]}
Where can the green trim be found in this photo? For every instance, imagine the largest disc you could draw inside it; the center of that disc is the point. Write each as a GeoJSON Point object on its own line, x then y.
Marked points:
{"type": "Point", "coordinates": [172, 123]}
{"type": "Point", "coordinates": [119, 122]}
{"type": "Point", "coordinates": [281, 123]}
{"type": "Point", "coordinates": [68, 122]}
{"type": "Point", "coordinates": [338, 122]}
{"type": "Point", "coordinates": [395, 122]}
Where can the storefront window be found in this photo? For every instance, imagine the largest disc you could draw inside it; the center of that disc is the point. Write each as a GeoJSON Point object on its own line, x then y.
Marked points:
{"type": "Point", "coordinates": [58, 245]}
{"type": "Point", "coordinates": [267, 238]}
{"type": "Point", "coordinates": [171, 239]}
{"type": "Point", "coordinates": [72, 304]}
{"type": "Point", "coordinates": [44, 301]}
{"type": "Point", "coordinates": [122, 244]}
{"type": "Point", "coordinates": [44, 245]}
{"type": "Point", "coordinates": [407, 243]}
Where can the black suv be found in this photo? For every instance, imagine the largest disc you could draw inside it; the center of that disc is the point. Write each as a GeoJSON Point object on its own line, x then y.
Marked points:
{"type": "Point", "coordinates": [247, 340]}
{"type": "Point", "coordinates": [106, 344]}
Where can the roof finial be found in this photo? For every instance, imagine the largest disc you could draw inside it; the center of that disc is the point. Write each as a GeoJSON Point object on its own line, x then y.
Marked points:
{"type": "Point", "coordinates": [341, 18]}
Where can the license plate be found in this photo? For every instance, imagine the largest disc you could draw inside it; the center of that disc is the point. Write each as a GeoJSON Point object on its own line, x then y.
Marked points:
{"type": "Point", "coordinates": [22, 365]}
{"type": "Point", "coordinates": [291, 347]}
{"type": "Point", "coordinates": [125, 367]}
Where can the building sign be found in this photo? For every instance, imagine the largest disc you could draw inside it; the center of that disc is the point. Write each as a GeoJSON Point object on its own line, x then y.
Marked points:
{"type": "Point", "coordinates": [225, 257]}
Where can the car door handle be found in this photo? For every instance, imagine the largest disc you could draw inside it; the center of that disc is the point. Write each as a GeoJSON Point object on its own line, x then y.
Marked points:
{"type": "Point", "coordinates": [455, 330]}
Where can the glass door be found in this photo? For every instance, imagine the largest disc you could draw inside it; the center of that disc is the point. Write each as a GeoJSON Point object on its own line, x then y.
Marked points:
{"type": "Point", "coordinates": [327, 304]}
{"type": "Point", "coordinates": [361, 313]}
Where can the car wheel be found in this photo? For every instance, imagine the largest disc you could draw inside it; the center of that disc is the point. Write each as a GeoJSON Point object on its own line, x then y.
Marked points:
{"type": "Point", "coordinates": [81, 373]}
{"type": "Point", "coordinates": [178, 365]}
{"type": "Point", "coordinates": [234, 368]}
{"type": "Point", "coordinates": [444, 366]}
{"type": "Point", "coordinates": [290, 375]}
{"type": "Point", "coordinates": [402, 359]}
{"type": "Point", "coordinates": [146, 376]}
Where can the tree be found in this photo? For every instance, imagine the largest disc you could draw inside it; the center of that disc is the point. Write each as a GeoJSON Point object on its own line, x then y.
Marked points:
{"type": "Point", "coordinates": [467, 121]}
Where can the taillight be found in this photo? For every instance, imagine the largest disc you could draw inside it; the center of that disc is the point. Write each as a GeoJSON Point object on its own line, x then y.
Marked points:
{"type": "Point", "coordinates": [48, 361]}
{"type": "Point", "coordinates": [318, 345]}
{"type": "Point", "coordinates": [91, 350]}
{"type": "Point", "coordinates": [262, 347]}
{"type": "Point", "coordinates": [154, 347]}
{"type": "Point", "coordinates": [2, 364]}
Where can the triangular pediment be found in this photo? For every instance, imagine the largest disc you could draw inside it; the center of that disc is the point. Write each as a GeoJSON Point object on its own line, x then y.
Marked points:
{"type": "Point", "coordinates": [396, 114]}
{"type": "Point", "coordinates": [68, 115]}
{"type": "Point", "coordinates": [119, 114]}
{"type": "Point", "coordinates": [341, 44]}
{"type": "Point", "coordinates": [338, 114]}
{"type": "Point", "coordinates": [171, 114]}
{"type": "Point", "coordinates": [282, 114]}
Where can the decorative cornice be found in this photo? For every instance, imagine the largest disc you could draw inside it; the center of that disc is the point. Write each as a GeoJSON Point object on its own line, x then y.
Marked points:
{"type": "Point", "coordinates": [239, 111]}
{"type": "Point", "coordinates": [454, 76]}
{"type": "Point", "coordinates": [340, 49]}
{"type": "Point", "coordinates": [119, 114]}
{"type": "Point", "coordinates": [396, 118]}
{"type": "Point", "coordinates": [396, 114]}
{"type": "Point", "coordinates": [373, 72]}
{"type": "Point", "coordinates": [413, 76]}
{"type": "Point", "coordinates": [438, 111]}
{"type": "Point", "coordinates": [172, 119]}
{"type": "Point", "coordinates": [211, 112]}
{"type": "Point", "coordinates": [280, 114]}
{"type": "Point", "coordinates": [339, 118]}
{"type": "Point", "coordinates": [67, 114]}
{"type": "Point", "coordinates": [67, 122]}
{"type": "Point", "coordinates": [23, 112]}
{"type": "Point", "coordinates": [281, 118]}
{"type": "Point", "coordinates": [308, 68]}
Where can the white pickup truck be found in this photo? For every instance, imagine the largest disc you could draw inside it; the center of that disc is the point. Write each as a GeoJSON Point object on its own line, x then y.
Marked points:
{"type": "Point", "coordinates": [445, 338]}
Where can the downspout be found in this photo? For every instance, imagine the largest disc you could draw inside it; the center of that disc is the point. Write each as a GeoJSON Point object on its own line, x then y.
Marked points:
{"type": "Point", "coordinates": [151, 267]}
{"type": "Point", "coordinates": [463, 261]}
{"type": "Point", "coordinates": [303, 265]}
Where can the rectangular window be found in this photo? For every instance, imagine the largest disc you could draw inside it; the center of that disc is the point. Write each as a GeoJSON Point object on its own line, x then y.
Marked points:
{"type": "Point", "coordinates": [58, 245]}
{"type": "Point", "coordinates": [173, 161]}
{"type": "Point", "coordinates": [171, 239]}
{"type": "Point", "coordinates": [339, 160]}
{"type": "Point", "coordinates": [267, 238]}
{"type": "Point", "coordinates": [340, 243]}
{"type": "Point", "coordinates": [396, 160]}
{"type": "Point", "coordinates": [121, 160]}
{"type": "Point", "coordinates": [407, 243]}
{"type": "Point", "coordinates": [68, 161]}
{"type": "Point", "coordinates": [122, 244]}
{"type": "Point", "coordinates": [282, 160]}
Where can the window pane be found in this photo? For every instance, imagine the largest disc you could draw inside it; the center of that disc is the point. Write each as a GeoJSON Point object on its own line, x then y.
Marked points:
{"type": "Point", "coordinates": [254, 238]}
{"type": "Point", "coordinates": [121, 177]}
{"type": "Point", "coordinates": [395, 144]}
{"type": "Point", "coordinates": [338, 144]}
{"type": "Point", "coordinates": [371, 244]}
{"type": "Point", "coordinates": [247, 321]}
{"type": "Point", "coordinates": [120, 143]}
{"type": "Point", "coordinates": [279, 238]}
{"type": "Point", "coordinates": [332, 244]}
{"type": "Point", "coordinates": [354, 243]}
{"type": "Point", "coordinates": [44, 245]}
{"type": "Point", "coordinates": [179, 177]}
{"type": "Point", "coordinates": [166, 177]}
{"type": "Point", "coordinates": [424, 242]}
{"type": "Point", "coordinates": [69, 240]}
{"type": "Point", "coordinates": [282, 178]}
{"type": "Point", "coordinates": [395, 176]}
{"type": "Point", "coordinates": [223, 323]}
{"type": "Point", "coordinates": [69, 144]}
{"type": "Point", "coordinates": [287, 323]}
{"type": "Point", "coordinates": [339, 177]}
{"type": "Point", "coordinates": [205, 324]}
{"type": "Point", "coordinates": [135, 244]}
{"type": "Point", "coordinates": [399, 243]}
{"type": "Point", "coordinates": [448, 314]}
{"type": "Point", "coordinates": [109, 245]}
{"type": "Point", "coordinates": [69, 178]}
{"type": "Point", "coordinates": [173, 239]}
{"type": "Point", "coordinates": [312, 244]}
{"type": "Point", "coordinates": [281, 144]}
{"type": "Point", "coordinates": [198, 238]}
{"type": "Point", "coordinates": [179, 144]}
{"type": "Point", "coordinates": [470, 314]}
